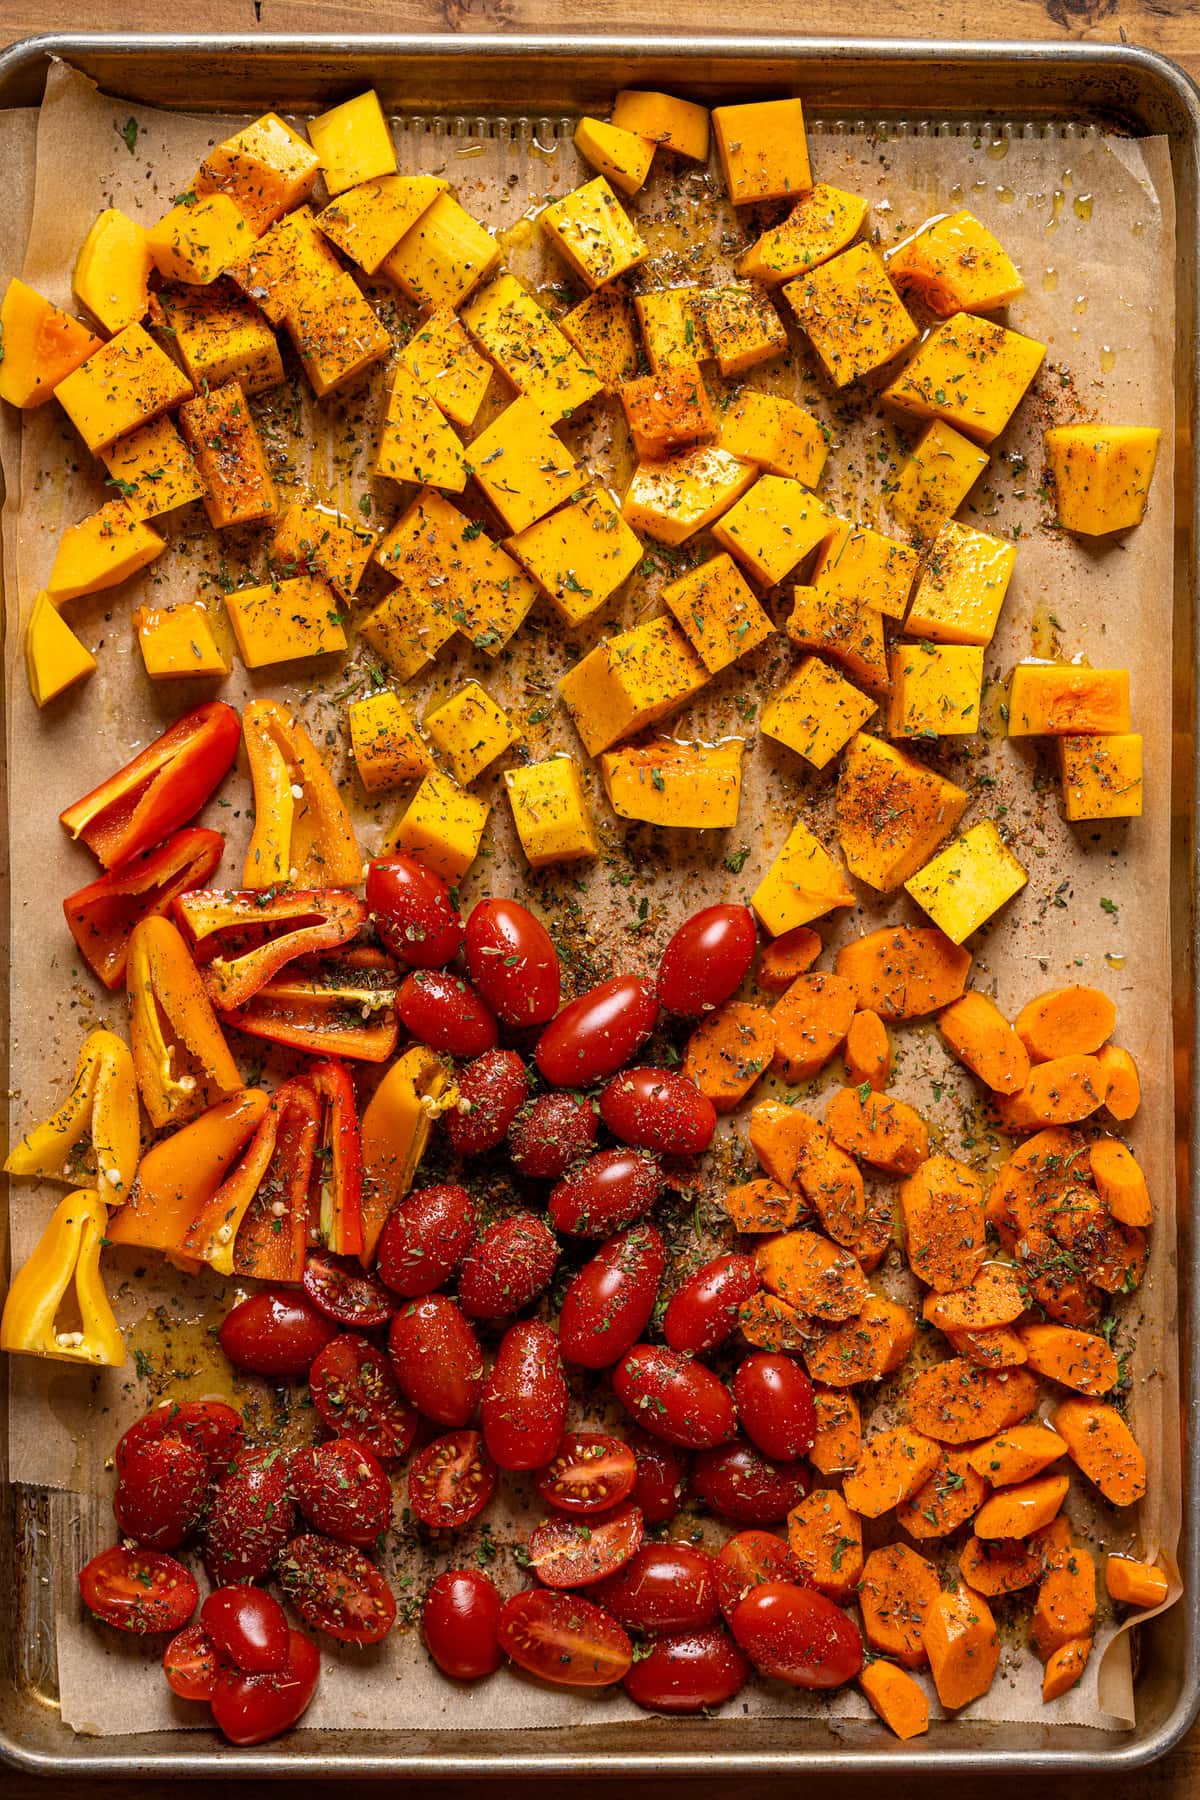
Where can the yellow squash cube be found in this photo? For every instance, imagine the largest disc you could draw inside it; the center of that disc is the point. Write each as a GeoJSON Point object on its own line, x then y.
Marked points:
{"type": "Point", "coordinates": [448, 366]}
{"type": "Point", "coordinates": [818, 227]}
{"type": "Point", "coordinates": [678, 125]}
{"type": "Point", "coordinates": [962, 586]}
{"type": "Point", "coordinates": [776, 434]}
{"type": "Point", "coordinates": [42, 346]}
{"type": "Point", "coordinates": [816, 712]}
{"type": "Point", "coordinates": [177, 642]}
{"type": "Point", "coordinates": [220, 337]}
{"type": "Point", "coordinates": [367, 222]}
{"type": "Point", "coordinates": [968, 881]}
{"type": "Point", "coordinates": [857, 563]}
{"type": "Point", "coordinates": [230, 457]}
{"type": "Point", "coordinates": [803, 883]}
{"type": "Point", "coordinates": [266, 168]}
{"type": "Point", "coordinates": [970, 372]}
{"type": "Point", "coordinates": [407, 630]}
{"type": "Point", "coordinates": [668, 411]}
{"type": "Point", "coordinates": [621, 156]}
{"type": "Point", "coordinates": [441, 258]}
{"type": "Point", "coordinates": [854, 318]}
{"type": "Point", "coordinates": [337, 335]}
{"type": "Point", "coordinates": [773, 527]}
{"type": "Point", "coordinates": [471, 731]}
{"type": "Point", "coordinates": [54, 657]}
{"type": "Point", "coordinates": [603, 331]}
{"type": "Point", "coordinates": [593, 233]}
{"type": "Point", "coordinates": [353, 142]}
{"type": "Point", "coordinates": [101, 552]}
{"type": "Point", "coordinates": [682, 787]}
{"type": "Point", "coordinates": [763, 149]}
{"type": "Point", "coordinates": [152, 470]}
{"type": "Point", "coordinates": [936, 689]}
{"type": "Point", "coordinates": [316, 540]}
{"type": "Point", "coordinates": [522, 467]}
{"type": "Point", "coordinates": [1066, 700]}
{"type": "Point", "coordinates": [580, 555]}
{"type": "Point", "coordinates": [671, 501]}
{"type": "Point", "coordinates": [199, 238]}
{"type": "Point", "coordinates": [848, 630]}
{"type": "Point", "coordinates": [956, 265]}
{"type": "Point", "coordinates": [416, 441]}
{"type": "Point", "coordinates": [550, 812]}
{"type": "Point", "coordinates": [112, 271]}
{"type": "Point", "coordinates": [1102, 475]}
{"type": "Point", "coordinates": [441, 827]}
{"type": "Point", "coordinates": [631, 681]}
{"type": "Point", "coordinates": [124, 384]}
{"type": "Point", "coordinates": [526, 346]}
{"type": "Point", "coordinates": [743, 328]}
{"type": "Point", "coordinates": [892, 812]}
{"type": "Point", "coordinates": [291, 265]}
{"type": "Point", "coordinates": [1102, 776]}
{"type": "Point", "coordinates": [284, 620]}
{"type": "Point", "coordinates": [719, 613]}
{"type": "Point", "coordinates": [936, 477]}
{"type": "Point", "coordinates": [448, 563]}
{"type": "Point", "coordinates": [387, 746]}
{"type": "Point", "coordinates": [672, 325]}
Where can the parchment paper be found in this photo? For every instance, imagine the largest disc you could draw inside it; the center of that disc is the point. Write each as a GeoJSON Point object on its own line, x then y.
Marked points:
{"type": "Point", "coordinates": [1090, 221]}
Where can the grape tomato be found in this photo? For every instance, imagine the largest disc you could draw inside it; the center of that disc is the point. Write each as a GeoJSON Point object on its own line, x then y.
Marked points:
{"type": "Point", "coordinates": [251, 1709]}
{"type": "Point", "coordinates": [162, 1483]}
{"type": "Point", "coordinates": [343, 1491]}
{"type": "Point", "coordinates": [564, 1639]}
{"type": "Point", "coordinates": [444, 1012]}
{"type": "Point", "coordinates": [703, 1312]}
{"type": "Point", "coordinates": [610, 1301]}
{"type": "Point", "coordinates": [425, 1238]}
{"type": "Point", "coordinates": [345, 1293]}
{"type": "Point", "coordinates": [336, 1589]}
{"type": "Point", "coordinates": [736, 1482]}
{"type": "Point", "coordinates": [414, 915]}
{"type": "Point", "coordinates": [598, 1033]}
{"type": "Point", "coordinates": [551, 1134]}
{"type": "Point", "coordinates": [437, 1360]}
{"type": "Point", "coordinates": [688, 1672]}
{"type": "Point", "coordinates": [248, 1627]}
{"type": "Point", "coordinates": [460, 1620]}
{"type": "Point", "coordinates": [707, 959]}
{"type": "Point", "coordinates": [491, 1092]}
{"type": "Point", "coordinates": [795, 1635]}
{"type": "Point", "coordinates": [572, 1553]}
{"type": "Point", "coordinates": [513, 1262]}
{"type": "Point", "coordinates": [664, 1587]}
{"type": "Point", "coordinates": [190, 1664]}
{"type": "Point", "coordinates": [524, 1406]}
{"type": "Point", "coordinates": [776, 1405]}
{"type": "Point", "coordinates": [356, 1395]}
{"type": "Point", "coordinates": [748, 1560]}
{"type": "Point", "coordinates": [276, 1331]}
{"type": "Point", "coordinates": [604, 1194]}
{"type": "Point", "coordinates": [658, 1109]}
{"type": "Point", "coordinates": [591, 1472]}
{"type": "Point", "coordinates": [139, 1591]}
{"type": "Point", "coordinates": [673, 1397]}
{"type": "Point", "coordinates": [451, 1480]}
{"type": "Point", "coordinates": [512, 961]}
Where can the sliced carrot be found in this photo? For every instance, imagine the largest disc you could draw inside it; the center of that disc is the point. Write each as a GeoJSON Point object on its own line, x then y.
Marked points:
{"type": "Point", "coordinates": [1035, 1169]}
{"type": "Point", "coordinates": [1064, 1666]}
{"type": "Point", "coordinates": [1101, 1444]}
{"type": "Point", "coordinates": [1122, 1089]}
{"type": "Point", "coordinates": [863, 1349]}
{"type": "Point", "coordinates": [728, 1051]}
{"type": "Point", "coordinates": [813, 1275]}
{"type": "Point", "coordinates": [898, 1587]}
{"type": "Point", "coordinates": [781, 1136]}
{"type": "Point", "coordinates": [1067, 1021]}
{"type": "Point", "coordinates": [762, 1205]}
{"type": "Point", "coordinates": [810, 1022]}
{"type": "Point", "coordinates": [1060, 1092]}
{"type": "Point", "coordinates": [963, 1646]}
{"type": "Point", "coordinates": [957, 1403]}
{"type": "Point", "coordinates": [1119, 1263]}
{"type": "Point", "coordinates": [876, 1233]}
{"type": "Point", "coordinates": [878, 1129]}
{"type": "Point", "coordinates": [832, 1184]}
{"type": "Point", "coordinates": [838, 1443]}
{"type": "Point", "coordinates": [1020, 1510]}
{"type": "Point", "coordinates": [771, 1324]}
{"type": "Point", "coordinates": [868, 1052]}
{"type": "Point", "coordinates": [896, 1698]}
{"type": "Point", "coordinates": [1077, 1359]}
{"type": "Point", "coordinates": [1133, 1583]}
{"type": "Point", "coordinates": [993, 1297]}
{"type": "Point", "coordinates": [978, 1034]}
{"type": "Point", "coordinates": [1076, 1216]}
{"type": "Point", "coordinates": [904, 971]}
{"type": "Point", "coordinates": [944, 1223]}
{"type": "Point", "coordinates": [1054, 1544]}
{"type": "Point", "coordinates": [1120, 1182]}
{"type": "Point", "coordinates": [1065, 1607]}
{"type": "Point", "coordinates": [1001, 1566]}
{"type": "Point", "coordinates": [792, 953]}
{"type": "Point", "coordinates": [1056, 1281]}
{"type": "Point", "coordinates": [999, 1348]}
{"type": "Point", "coordinates": [945, 1500]}
{"type": "Point", "coordinates": [892, 1466]}
{"type": "Point", "coordinates": [827, 1538]}
{"type": "Point", "coordinates": [1016, 1454]}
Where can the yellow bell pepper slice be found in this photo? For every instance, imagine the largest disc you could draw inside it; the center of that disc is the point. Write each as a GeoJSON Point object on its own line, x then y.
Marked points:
{"type": "Point", "coordinates": [182, 1061]}
{"type": "Point", "coordinates": [395, 1131]}
{"type": "Point", "coordinates": [302, 831]}
{"type": "Point", "coordinates": [102, 1100]}
{"type": "Point", "coordinates": [68, 1249]}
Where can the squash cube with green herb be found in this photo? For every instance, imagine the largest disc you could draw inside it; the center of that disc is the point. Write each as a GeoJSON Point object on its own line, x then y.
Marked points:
{"type": "Point", "coordinates": [367, 222]}
{"type": "Point", "coordinates": [580, 555]}
{"type": "Point", "coordinates": [816, 712]}
{"type": "Point", "coordinates": [743, 328]}
{"type": "Point", "coordinates": [962, 586]}
{"type": "Point", "coordinates": [443, 256]}
{"type": "Point", "coordinates": [775, 433]}
{"type": "Point", "coordinates": [718, 611]}
{"type": "Point", "coordinates": [177, 642]}
{"type": "Point", "coordinates": [353, 142]}
{"type": "Point", "coordinates": [319, 541]}
{"type": "Point", "coordinates": [522, 467]}
{"type": "Point", "coordinates": [407, 630]}
{"type": "Point", "coordinates": [603, 330]}
{"type": "Point", "coordinates": [1102, 776]}
{"type": "Point", "coordinates": [152, 470]}
{"type": "Point", "coordinates": [43, 345]}
{"type": "Point", "coordinates": [448, 563]}
{"type": "Point", "coordinates": [593, 233]}
{"type": "Point", "coordinates": [111, 276]}
{"type": "Point", "coordinates": [230, 457]}
{"type": "Point", "coordinates": [684, 787]}
{"type": "Point", "coordinates": [668, 411]}
{"type": "Point", "coordinates": [550, 812]}
{"type": "Point", "coordinates": [448, 366]}
{"type": "Point", "coordinates": [968, 881]}
{"type": "Point", "coordinates": [388, 749]}
{"type": "Point", "coordinates": [284, 620]}
{"type": "Point", "coordinates": [892, 812]}
{"type": "Point", "coordinates": [124, 384]}
{"type": "Point", "coordinates": [763, 148]}
{"type": "Point", "coordinates": [528, 348]}
{"type": "Point", "coordinates": [441, 827]}
{"type": "Point", "coordinates": [672, 325]}
{"type": "Point", "coordinates": [936, 689]}
{"type": "Point", "coordinates": [471, 731]}
{"type": "Point", "coordinates": [818, 227]}
{"type": "Point", "coordinates": [337, 334]}
{"type": "Point", "coordinates": [631, 681]}
{"type": "Point", "coordinates": [101, 552]}
{"type": "Point", "coordinates": [857, 563]}
{"type": "Point", "coordinates": [936, 477]}
{"type": "Point", "coordinates": [220, 337]}
{"type": "Point", "coordinates": [971, 372]}
{"type": "Point", "coordinates": [290, 264]}
{"type": "Point", "coordinates": [848, 630]}
{"type": "Point", "coordinates": [956, 265]}
{"type": "Point", "coordinates": [773, 527]}
{"type": "Point", "coordinates": [621, 156]}
{"type": "Point", "coordinates": [1066, 700]}
{"type": "Point", "coordinates": [855, 320]}
{"type": "Point", "coordinates": [1102, 475]}
{"type": "Point", "coordinates": [266, 169]}
{"type": "Point", "coordinates": [416, 441]}
{"type": "Point", "coordinates": [201, 236]}
{"type": "Point", "coordinates": [803, 883]}
{"type": "Point", "coordinates": [670, 501]}
{"type": "Point", "coordinates": [675, 124]}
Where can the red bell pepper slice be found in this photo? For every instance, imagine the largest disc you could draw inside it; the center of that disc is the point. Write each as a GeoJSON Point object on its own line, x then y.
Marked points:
{"type": "Point", "coordinates": [337, 1176]}
{"type": "Point", "coordinates": [242, 939]}
{"type": "Point", "coordinates": [342, 1004]}
{"type": "Point", "coordinates": [101, 916]}
{"type": "Point", "coordinates": [160, 790]}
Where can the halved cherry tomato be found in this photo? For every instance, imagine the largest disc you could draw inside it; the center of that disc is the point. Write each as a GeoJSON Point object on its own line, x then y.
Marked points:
{"type": "Point", "coordinates": [491, 1092]}
{"type": "Point", "coordinates": [662, 1477]}
{"type": "Point", "coordinates": [141, 1591]}
{"type": "Point", "coordinates": [443, 1011]}
{"type": "Point", "coordinates": [190, 1664]}
{"type": "Point", "coordinates": [248, 1626]}
{"type": "Point", "coordinates": [550, 1134]}
{"type": "Point", "coordinates": [524, 1406]}
{"type": "Point", "coordinates": [591, 1472]}
{"type": "Point", "coordinates": [573, 1553]}
{"type": "Point", "coordinates": [413, 912]}
{"type": "Point", "coordinates": [436, 1360]}
{"type": "Point", "coordinates": [658, 1109]}
{"type": "Point", "coordinates": [451, 1481]}
{"type": "Point", "coordinates": [461, 1623]}
{"type": "Point", "coordinates": [212, 1427]}
{"type": "Point", "coordinates": [343, 1491]}
{"type": "Point", "coordinates": [738, 1482]}
{"type": "Point", "coordinates": [161, 1487]}
{"type": "Point", "coordinates": [250, 1709]}
{"type": "Point", "coordinates": [355, 1395]}
{"type": "Point", "coordinates": [796, 1635]}
{"type": "Point", "coordinates": [250, 1517]}
{"type": "Point", "coordinates": [512, 1263]}
{"type": "Point", "coordinates": [275, 1332]}
{"type": "Point", "coordinates": [707, 960]}
{"type": "Point", "coordinates": [513, 962]}
{"type": "Point", "coordinates": [425, 1238]}
{"type": "Point", "coordinates": [336, 1589]}
{"type": "Point", "coordinates": [604, 1194]}
{"type": "Point", "coordinates": [564, 1639]}
{"type": "Point", "coordinates": [607, 1306]}
{"type": "Point", "coordinates": [672, 1397]}
{"type": "Point", "coordinates": [748, 1560]}
{"type": "Point", "coordinates": [345, 1293]}
{"type": "Point", "coordinates": [704, 1311]}
{"type": "Point", "coordinates": [597, 1034]}
{"type": "Point", "coordinates": [665, 1587]}
{"type": "Point", "coordinates": [688, 1672]}
{"type": "Point", "coordinates": [775, 1404]}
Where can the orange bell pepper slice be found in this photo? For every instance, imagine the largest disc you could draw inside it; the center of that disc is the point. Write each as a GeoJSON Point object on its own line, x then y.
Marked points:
{"type": "Point", "coordinates": [179, 1175]}
{"type": "Point", "coordinates": [395, 1130]}
{"type": "Point", "coordinates": [343, 1004]}
{"type": "Point", "coordinates": [182, 1061]}
{"type": "Point", "coordinates": [302, 831]}
{"type": "Point", "coordinates": [337, 1177]}
{"type": "Point", "coordinates": [242, 940]}
{"type": "Point", "coordinates": [281, 1174]}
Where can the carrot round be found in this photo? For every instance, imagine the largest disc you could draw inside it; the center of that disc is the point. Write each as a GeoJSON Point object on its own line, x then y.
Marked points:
{"type": "Point", "coordinates": [832, 1184]}
{"type": "Point", "coordinates": [957, 1403]}
{"type": "Point", "coordinates": [904, 971]}
{"type": "Point", "coordinates": [1068, 1021]}
{"type": "Point", "coordinates": [998, 1348]}
{"type": "Point", "coordinates": [1078, 1359]}
{"type": "Point", "coordinates": [838, 1443]}
{"type": "Point", "coordinates": [1134, 1583]}
{"type": "Point", "coordinates": [1065, 1607]}
{"type": "Point", "coordinates": [771, 1324]}
{"type": "Point", "coordinates": [1025, 1184]}
{"type": "Point", "coordinates": [1054, 1544]}
{"type": "Point", "coordinates": [944, 1223]}
{"type": "Point", "coordinates": [1122, 1089]}
{"type": "Point", "coordinates": [813, 1275]}
{"type": "Point", "coordinates": [1120, 1182]}
{"type": "Point", "coordinates": [810, 1022]}
{"type": "Point", "coordinates": [1016, 1454]}
{"type": "Point", "coordinates": [792, 953]}
{"type": "Point", "coordinates": [1064, 1666]}
{"type": "Point", "coordinates": [761, 1205]}
{"type": "Point", "coordinates": [893, 1464]}
{"type": "Point", "coordinates": [1055, 1282]}
{"type": "Point", "coordinates": [781, 1136]}
{"type": "Point", "coordinates": [898, 1587]}
{"type": "Point", "coordinates": [945, 1500]}
{"type": "Point", "coordinates": [896, 1698]}
{"type": "Point", "coordinates": [1101, 1444]}
{"type": "Point", "coordinates": [1020, 1510]}
{"type": "Point", "coordinates": [728, 1051]}
{"type": "Point", "coordinates": [1116, 1258]}
{"type": "Point", "coordinates": [878, 1129]}
{"type": "Point", "coordinates": [1060, 1092]}
{"type": "Point", "coordinates": [827, 1538]}
{"type": "Point", "coordinates": [992, 1297]}
{"type": "Point", "coordinates": [1002, 1566]}
{"type": "Point", "coordinates": [868, 1052]}
{"type": "Point", "coordinates": [871, 1240]}
{"type": "Point", "coordinates": [863, 1349]}
{"type": "Point", "coordinates": [978, 1034]}
{"type": "Point", "coordinates": [963, 1646]}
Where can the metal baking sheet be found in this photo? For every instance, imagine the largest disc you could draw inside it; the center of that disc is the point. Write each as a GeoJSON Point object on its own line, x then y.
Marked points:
{"type": "Point", "coordinates": [932, 84]}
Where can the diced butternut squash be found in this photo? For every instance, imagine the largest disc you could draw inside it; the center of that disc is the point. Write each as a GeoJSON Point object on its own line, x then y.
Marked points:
{"type": "Point", "coordinates": [773, 527]}
{"type": "Point", "coordinates": [219, 336]}
{"type": "Point", "coordinates": [353, 142]}
{"type": "Point", "coordinates": [955, 265]}
{"type": "Point", "coordinates": [125, 383]}
{"type": "Point", "coordinates": [803, 883]}
{"type": "Point", "coordinates": [818, 227]}
{"type": "Point", "coordinates": [672, 324]}
{"type": "Point", "coordinates": [671, 501]}
{"type": "Point", "coordinates": [230, 457]}
{"type": "Point", "coordinates": [668, 411]}
{"type": "Point", "coordinates": [717, 611]}
{"type": "Point", "coordinates": [1065, 1608]}
{"type": "Point", "coordinates": [201, 237]}
{"type": "Point", "coordinates": [691, 787]}
{"type": "Point", "coordinates": [761, 1206]}
{"type": "Point", "coordinates": [816, 712]}
{"type": "Point", "coordinates": [742, 327]}
{"type": "Point", "coordinates": [936, 689]}
{"type": "Point", "coordinates": [936, 477]}
{"type": "Point", "coordinates": [970, 372]}
{"type": "Point", "coordinates": [677, 125]}
{"type": "Point", "coordinates": [152, 470]}
{"type": "Point", "coordinates": [838, 1443]}
{"type": "Point", "coordinates": [1120, 1182]}
{"type": "Point", "coordinates": [266, 168]}
{"type": "Point", "coordinates": [387, 746]}
{"type": "Point", "coordinates": [621, 156]}
{"type": "Point", "coordinates": [112, 271]}
{"type": "Point", "coordinates": [982, 1039]}
{"type": "Point", "coordinates": [42, 346]}
{"type": "Point", "coordinates": [1133, 1583]}
{"type": "Point", "coordinates": [441, 827]}
{"type": "Point", "coordinates": [961, 590]}
{"type": "Point", "coordinates": [896, 1595]}
{"type": "Point", "coordinates": [728, 1052]}
{"type": "Point", "coordinates": [177, 642]}
{"type": "Point", "coordinates": [54, 657]}
{"type": "Point", "coordinates": [284, 620]}
{"type": "Point", "coordinates": [471, 730]}
{"type": "Point", "coordinates": [290, 266]}
{"type": "Point", "coordinates": [448, 366]}
{"type": "Point", "coordinates": [855, 320]}
{"type": "Point", "coordinates": [1101, 1444]}
{"type": "Point", "coordinates": [944, 1223]}
{"type": "Point", "coordinates": [580, 555]}
{"type": "Point", "coordinates": [848, 631]}
{"type": "Point", "coordinates": [763, 149]}
{"type": "Point", "coordinates": [896, 1698]}
{"type": "Point", "coordinates": [551, 813]}
{"type": "Point", "coordinates": [856, 563]}
{"type": "Point", "coordinates": [416, 441]}
{"type": "Point", "coordinates": [522, 467]}
{"type": "Point", "coordinates": [775, 433]}
{"type": "Point", "coordinates": [593, 233]}
{"type": "Point", "coordinates": [1021, 1509]}
{"type": "Point", "coordinates": [630, 681]}
{"type": "Point", "coordinates": [956, 1403]}
{"type": "Point", "coordinates": [1102, 475]}
{"type": "Point", "coordinates": [826, 1539]}
{"type": "Point", "coordinates": [452, 577]}
{"type": "Point", "coordinates": [319, 541]}
{"type": "Point", "coordinates": [811, 1021]}
{"type": "Point", "coordinates": [868, 1052]}
{"type": "Point", "coordinates": [1060, 699]}
{"type": "Point", "coordinates": [1101, 776]}
{"type": "Point", "coordinates": [967, 882]}
{"type": "Point", "coordinates": [813, 1275]}
{"type": "Point", "coordinates": [962, 1644]}
{"type": "Point", "coordinates": [443, 256]}
{"type": "Point", "coordinates": [905, 971]}
{"type": "Point", "coordinates": [526, 345]}
{"type": "Point", "coordinates": [892, 813]}
{"type": "Point", "coordinates": [946, 1499]}
{"type": "Point", "coordinates": [892, 1465]}
{"type": "Point", "coordinates": [101, 552]}
{"type": "Point", "coordinates": [603, 329]}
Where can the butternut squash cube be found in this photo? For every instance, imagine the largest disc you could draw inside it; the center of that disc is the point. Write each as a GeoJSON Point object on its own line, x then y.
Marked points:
{"type": "Point", "coordinates": [776, 434]}
{"type": "Point", "coordinates": [670, 501]}
{"type": "Point", "coordinates": [448, 366]}
{"type": "Point", "coordinates": [773, 527]}
{"type": "Point", "coordinates": [292, 263]}
{"type": "Point", "coordinates": [685, 787]}
{"type": "Point", "coordinates": [526, 346]}
{"type": "Point", "coordinates": [471, 731]}
{"type": "Point", "coordinates": [956, 265]}
{"type": "Point", "coordinates": [220, 337]}
{"type": "Point", "coordinates": [848, 630]}
{"type": "Point", "coordinates": [892, 812]}
{"type": "Point", "coordinates": [968, 881]}
{"type": "Point", "coordinates": [970, 372]}
{"type": "Point", "coordinates": [152, 470]}
{"type": "Point", "coordinates": [337, 334]}
{"type": "Point", "coordinates": [803, 883]}
{"type": "Point", "coordinates": [1102, 475]}
{"type": "Point", "coordinates": [353, 142]}
{"type": "Point", "coordinates": [177, 642]}
{"type": "Point", "coordinates": [853, 316]}
{"type": "Point", "coordinates": [284, 620]}
{"type": "Point", "coordinates": [1102, 776]}
{"type": "Point", "coordinates": [936, 477]}
{"type": "Point", "coordinates": [124, 384]}
{"type": "Point", "coordinates": [936, 689]}
{"type": "Point", "coordinates": [367, 222]}
{"type": "Point", "coordinates": [857, 563]}
{"type": "Point", "coordinates": [388, 749]}
{"type": "Point", "coordinates": [621, 156]}
{"type": "Point", "coordinates": [442, 827]}
{"type": "Point", "coordinates": [199, 238]}
{"type": "Point", "coordinates": [1067, 700]}
{"type": "Point", "coordinates": [266, 168]}
{"type": "Point", "coordinates": [816, 712]}
{"type": "Point", "coordinates": [101, 552]}
{"type": "Point", "coordinates": [316, 540]}
{"type": "Point", "coordinates": [54, 657]}
{"type": "Point", "coordinates": [580, 555]}
{"type": "Point", "coordinates": [230, 457]}
{"type": "Point", "coordinates": [407, 630]}
{"type": "Point", "coordinates": [962, 587]}
{"type": "Point", "coordinates": [630, 681]}
{"type": "Point", "coordinates": [416, 441]}
{"type": "Point", "coordinates": [522, 467]}
{"type": "Point", "coordinates": [743, 328]}
{"type": "Point", "coordinates": [42, 346]}
{"type": "Point", "coordinates": [550, 812]}
{"type": "Point", "coordinates": [112, 271]}
{"type": "Point", "coordinates": [763, 149]}
{"type": "Point", "coordinates": [672, 324]}
{"type": "Point", "coordinates": [678, 125]}
{"type": "Point", "coordinates": [593, 233]}
{"type": "Point", "coordinates": [445, 561]}
{"type": "Point", "coordinates": [602, 329]}
{"type": "Point", "coordinates": [441, 258]}
{"type": "Point", "coordinates": [668, 411]}
{"type": "Point", "coordinates": [718, 611]}
{"type": "Point", "coordinates": [818, 227]}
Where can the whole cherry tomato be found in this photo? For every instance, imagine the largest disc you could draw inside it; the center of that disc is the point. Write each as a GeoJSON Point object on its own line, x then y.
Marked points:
{"type": "Point", "coordinates": [451, 1480]}
{"type": "Point", "coordinates": [707, 960]}
{"type": "Point", "coordinates": [573, 1553]}
{"type": "Point", "coordinates": [140, 1591]}
{"type": "Point", "coordinates": [512, 1263]}
{"type": "Point", "coordinates": [524, 1406]}
{"type": "Point", "coordinates": [345, 1293]}
{"type": "Point", "coordinates": [248, 1627]}
{"type": "Point", "coordinates": [739, 1483]}
{"type": "Point", "coordinates": [208, 1425]}
{"type": "Point", "coordinates": [607, 1192]}
{"type": "Point", "coordinates": [461, 1623]}
{"type": "Point", "coordinates": [564, 1639]}
{"type": "Point", "coordinates": [491, 1092]}
{"type": "Point", "coordinates": [591, 1472]}
{"type": "Point", "coordinates": [672, 1397]}
{"type": "Point", "coordinates": [250, 1517]}
{"type": "Point", "coordinates": [658, 1109]}
{"type": "Point", "coordinates": [436, 1360]}
{"type": "Point", "coordinates": [796, 1635]}
{"type": "Point", "coordinates": [161, 1487]}
{"type": "Point", "coordinates": [414, 915]}
{"type": "Point", "coordinates": [690, 1671]}
{"type": "Point", "coordinates": [190, 1664]}
{"type": "Point", "coordinates": [425, 1238]}
{"type": "Point", "coordinates": [665, 1587]}
{"type": "Point", "coordinates": [250, 1709]}
{"type": "Point", "coordinates": [607, 1306]}
{"type": "Point", "coordinates": [748, 1560]}
{"type": "Point", "coordinates": [597, 1034]}
{"type": "Point", "coordinates": [704, 1311]}
{"type": "Point", "coordinates": [662, 1477]}
{"type": "Point", "coordinates": [336, 1589]}
{"type": "Point", "coordinates": [775, 1404]}
{"type": "Point", "coordinates": [551, 1133]}
{"type": "Point", "coordinates": [513, 962]}
{"type": "Point", "coordinates": [275, 1332]}
{"type": "Point", "coordinates": [342, 1490]}
{"type": "Point", "coordinates": [355, 1395]}
{"type": "Point", "coordinates": [441, 1010]}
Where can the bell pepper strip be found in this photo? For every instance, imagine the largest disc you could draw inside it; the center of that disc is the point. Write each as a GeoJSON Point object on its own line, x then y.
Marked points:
{"type": "Point", "coordinates": [101, 916]}
{"type": "Point", "coordinates": [182, 1061]}
{"type": "Point", "coordinates": [273, 1240]}
{"type": "Point", "coordinates": [212, 1236]}
{"type": "Point", "coordinates": [67, 1251]}
{"type": "Point", "coordinates": [241, 940]}
{"type": "Point", "coordinates": [337, 1174]}
{"type": "Point", "coordinates": [180, 1174]}
{"type": "Point", "coordinates": [302, 831]}
{"type": "Point", "coordinates": [339, 1005]}
{"type": "Point", "coordinates": [395, 1130]}
{"type": "Point", "coordinates": [160, 790]}
{"type": "Point", "coordinates": [102, 1103]}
